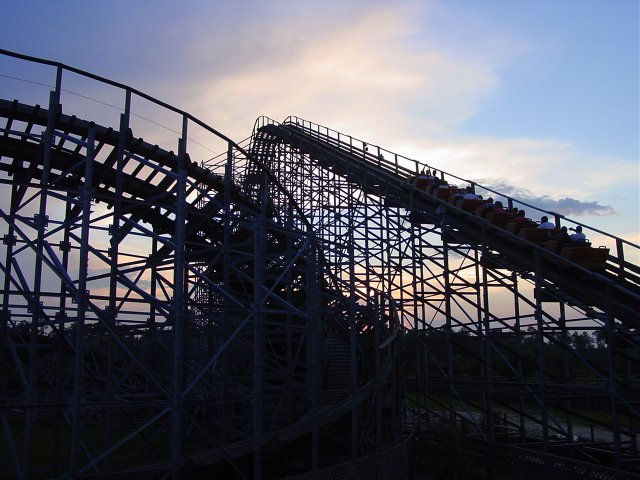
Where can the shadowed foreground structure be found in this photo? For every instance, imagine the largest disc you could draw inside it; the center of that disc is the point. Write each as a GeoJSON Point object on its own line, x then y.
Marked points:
{"type": "Point", "coordinates": [292, 307]}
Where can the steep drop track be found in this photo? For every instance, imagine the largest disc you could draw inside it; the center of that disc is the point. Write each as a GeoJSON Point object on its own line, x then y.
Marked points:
{"type": "Point", "coordinates": [502, 334]}
{"type": "Point", "coordinates": [617, 290]}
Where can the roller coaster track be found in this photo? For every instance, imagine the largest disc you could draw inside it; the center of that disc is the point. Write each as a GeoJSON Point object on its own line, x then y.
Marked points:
{"type": "Point", "coordinates": [617, 290]}
{"type": "Point", "coordinates": [168, 314]}
{"type": "Point", "coordinates": [446, 267]}
{"type": "Point", "coordinates": [160, 316]}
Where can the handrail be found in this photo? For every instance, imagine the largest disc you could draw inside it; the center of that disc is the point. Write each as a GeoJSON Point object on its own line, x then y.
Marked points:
{"type": "Point", "coordinates": [130, 90]}
{"type": "Point", "coordinates": [347, 142]}
{"type": "Point", "coordinates": [119, 85]}
{"type": "Point", "coordinates": [302, 123]}
{"type": "Point", "coordinates": [619, 270]}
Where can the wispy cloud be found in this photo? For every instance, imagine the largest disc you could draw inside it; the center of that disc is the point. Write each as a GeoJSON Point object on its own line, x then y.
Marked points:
{"type": "Point", "coordinates": [565, 206]}
{"type": "Point", "coordinates": [405, 76]}
{"type": "Point", "coordinates": [383, 74]}
{"type": "Point", "coordinates": [362, 70]}
{"type": "Point", "coordinates": [542, 166]}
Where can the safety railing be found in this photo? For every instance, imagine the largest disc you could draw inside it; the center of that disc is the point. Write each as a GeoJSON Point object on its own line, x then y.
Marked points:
{"type": "Point", "coordinates": [204, 140]}
{"type": "Point", "coordinates": [624, 259]}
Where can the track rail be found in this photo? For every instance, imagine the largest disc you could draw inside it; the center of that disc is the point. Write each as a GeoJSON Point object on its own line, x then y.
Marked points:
{"type": "Point", "coordinates": [166, 304]}
{"type": "Point", "coordinates": [494, 321]}
{"type": "Point", "coordinates": [617, 290]}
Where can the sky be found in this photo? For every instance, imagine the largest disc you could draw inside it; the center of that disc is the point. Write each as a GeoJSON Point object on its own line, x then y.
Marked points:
{"type": "Point", "coordinates": [538, 98]}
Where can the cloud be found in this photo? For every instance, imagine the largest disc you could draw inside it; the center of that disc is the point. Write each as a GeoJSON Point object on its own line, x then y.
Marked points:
{"type": "Point", "coordinates": [565, 206]}
{"type": "Point", "coordinates": [542, 166]}
{"type": "Point", "coordinates": [363, 70]}
{"type": "Point", "coordinates": [383, 74]}
{"type": "Point", "coordinates": [405, 76]}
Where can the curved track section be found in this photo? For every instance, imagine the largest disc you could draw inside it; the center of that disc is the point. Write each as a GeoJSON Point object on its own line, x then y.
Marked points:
{"type": "Point", "coordinates": [162, 318]}
{"type": "Point", "coordinates": [503, 337]}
